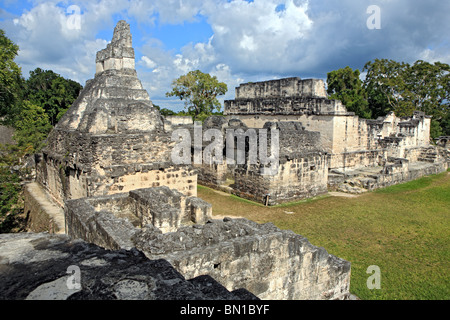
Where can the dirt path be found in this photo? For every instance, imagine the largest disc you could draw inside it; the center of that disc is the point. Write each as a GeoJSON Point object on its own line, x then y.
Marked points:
{"type": "Point", "coordinates": [343, 194]}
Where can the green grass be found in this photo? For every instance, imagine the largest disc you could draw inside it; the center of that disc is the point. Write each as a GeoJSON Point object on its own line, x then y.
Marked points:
{"type": "Point", "coordinates": [403, 229]}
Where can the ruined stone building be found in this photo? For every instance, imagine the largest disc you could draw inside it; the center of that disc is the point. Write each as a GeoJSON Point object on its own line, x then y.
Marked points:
{"type": "Point", "coordinates": [322, 145]}
{"type": "Point", "coordinates": [106, 177]}
{"type": "Point", "coordinates": [301, 169]}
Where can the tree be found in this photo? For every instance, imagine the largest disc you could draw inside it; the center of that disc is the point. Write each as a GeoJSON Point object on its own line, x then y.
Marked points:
{"type": "Point", "coordinates": [52, 92]}
{"type": "Point", "coordinates": [386, 88]}
{"type": "Point", "coordinates": [346, 86]}
{"type": "Point", "coordinates": [164, 111]}
{"type": "Point", "coordinates": [200, 91]}
{"type": "Point", "coordinates": [32, 127]}
{"type": "Point", "coordinates": [402, 88]}
{"type": "Point", "coordinates": [430, 88]}
{"type": "Point", "coordinates": [10, 79]}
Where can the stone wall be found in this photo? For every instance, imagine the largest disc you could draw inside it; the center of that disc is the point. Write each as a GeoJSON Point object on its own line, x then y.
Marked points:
{"type": "Point", "coordinates": [344, 136]}
{"type": "Point", "coordinates": [284, 106]}
{"type": "Point", "coordinates": [403, 171]}
{"type": "Point", "coordinates": [214, 175]}
{"type": "Point", "coordinates": [6, 135]}
{"type": "Point", "coordinates": [64, 180]}
{"type": "Point", "coordinates": [296, 179]}
{"type": "Point", "coordinates": [35, 266]}
{"type": "Point", "coordinates": [288, 87]}
{"type": "Point", "coordinates": [392, 171]}
{"type": "Point", "coordinates": [43, 214]}
{"type": "Point", "coordinates": [269, 262]}
{"type": "Point", "coordinates": [95, 219]}
{"type": "Point", "coordinates": [302, 162]}
{"type": "Point", "coordinates": [180, 120]}
{"type": "Point", "coordinates": [302, 171]}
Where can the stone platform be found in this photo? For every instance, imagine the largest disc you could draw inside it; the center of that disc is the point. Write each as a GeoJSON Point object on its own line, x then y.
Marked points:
{"type": "Point", "coordinates": [39, 266]}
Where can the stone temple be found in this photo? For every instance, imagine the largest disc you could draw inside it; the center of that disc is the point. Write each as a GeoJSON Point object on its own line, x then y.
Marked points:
{"type": "Point", "coordinates": [111, 139]}
{"type": "Point", "coordinates": [322, 145]}
{"type": "Point", "coordinates": [106, 178]}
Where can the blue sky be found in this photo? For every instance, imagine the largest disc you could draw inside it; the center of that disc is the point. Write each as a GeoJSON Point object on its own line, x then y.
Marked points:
{"type": "Point", "coordinates": [238, 41]}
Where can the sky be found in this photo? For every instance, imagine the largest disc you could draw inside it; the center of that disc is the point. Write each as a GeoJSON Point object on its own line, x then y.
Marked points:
{"type": "Point", "coordinates": [237, 41]}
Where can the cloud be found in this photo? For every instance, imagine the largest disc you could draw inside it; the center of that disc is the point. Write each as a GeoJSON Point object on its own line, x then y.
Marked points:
{"type": "Point", "coordinates": [60, 38]}
{"type": "Point", "coordinates": [251, 41]}
{"type": "Point", "coordinates": [341, 36]}
{"type": "Point", "coordinates": [252, 37]}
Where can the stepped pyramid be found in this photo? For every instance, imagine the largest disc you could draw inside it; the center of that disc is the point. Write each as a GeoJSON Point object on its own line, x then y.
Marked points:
{"type": "Point", "coordinates": [114, 101]}
{"type": "Point", "coordinates": [111, 139]}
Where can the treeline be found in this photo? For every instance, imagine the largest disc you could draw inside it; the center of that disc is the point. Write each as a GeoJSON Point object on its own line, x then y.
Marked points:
{"type": "Point", "coordinates": [200, 117]}
{"type": "Point", "coordinates": [32, 107]}
{"type": "Point", "coordinates": [391, 86]}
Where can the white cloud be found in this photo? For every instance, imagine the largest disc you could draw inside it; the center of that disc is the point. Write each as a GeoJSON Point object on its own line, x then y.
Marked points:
{"type": "Point", "coordinates": [251, 40]}
{"type": "Point", "coordinates": [149, 63]}
{"type": "Point", "coordinates": [436, 55]}
{"type": "Point", "coordinates": [251, 36]}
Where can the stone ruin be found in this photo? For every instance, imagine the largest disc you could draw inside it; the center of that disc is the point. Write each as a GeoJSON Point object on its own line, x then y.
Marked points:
{"type": "Point", "coordinates": [322, 145]}
{"type": "Point", "coordinates": [301, 171]}
{"type": "Point", "coordinates": [111, 139]}
{"type": "Point", "coordinates": [34, 266]}
{"type": "Point", "coordinates": [238, 253]}
{"type": "Point", "coordinates": [106, 178]}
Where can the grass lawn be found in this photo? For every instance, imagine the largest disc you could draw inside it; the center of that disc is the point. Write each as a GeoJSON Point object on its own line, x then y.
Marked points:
{"type": "Point", "coordinates": [403, 229]}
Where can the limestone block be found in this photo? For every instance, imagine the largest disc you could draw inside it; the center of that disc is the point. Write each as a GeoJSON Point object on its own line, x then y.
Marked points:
{"type": "Point", "coordinates": [39, 266]}
{"type": "Point", "coordinates": [261, 258]}
{"type": "Point", "coordinates": [43, 213]}
{"type": "Point", "coordinates": [200, 210]}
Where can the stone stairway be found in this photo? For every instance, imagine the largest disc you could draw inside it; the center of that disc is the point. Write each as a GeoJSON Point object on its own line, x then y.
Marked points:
{"type": "Point", "coordinates": [429, 154]}
{"type": "Point", "coordinates": [355, 181]}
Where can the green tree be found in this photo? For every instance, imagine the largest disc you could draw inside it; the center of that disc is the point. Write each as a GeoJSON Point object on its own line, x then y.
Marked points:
{"type": "Point", "coordinates": [199, 91]}
{"type": "Point", "coordinates": [386, 88]}
{"type": "Point", "coordinates": [346, 86]}
{"type": "Point", "coordinates": [429, 85]}
{"type": "Point", "coordinates": [32, 127]}
{"type": "Point", "coordinates": [52, 92]}
{"type": "Point", "coordinates": [11, 80]}
{"type": "Point", "coordinates": [164, 111]}
{"type": "Point", "coordinates": [11, 200]}
{"type": "Point", "coordinates": [403, 88]}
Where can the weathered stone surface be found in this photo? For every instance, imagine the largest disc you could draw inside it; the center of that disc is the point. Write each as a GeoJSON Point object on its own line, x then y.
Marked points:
{"type": "Point", "coordinates": [351, 143]}
{"type": "Point", "coordinates": [341, 131]}
{"type": "Point", "coordinates": [110, 221]}
{"type": "Point", "coordinates": [111, 139]}
{"type": "Point", "coordinates": [6, 135]}
{"type": "Point", "coordinates": [443, 141]}
{"type": "Point", "coordinates": [119, 54]}
{"type": "Point", "coordinates": [43, 214]}
{"type": "Point", "coordinates": [269, 262]}
{"type": "Point", "coordinates": [38, 266]}
{"type": "Point", "coordinates": [288, 87]}
{"type": "Point", "coordinates": [300, 170]}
